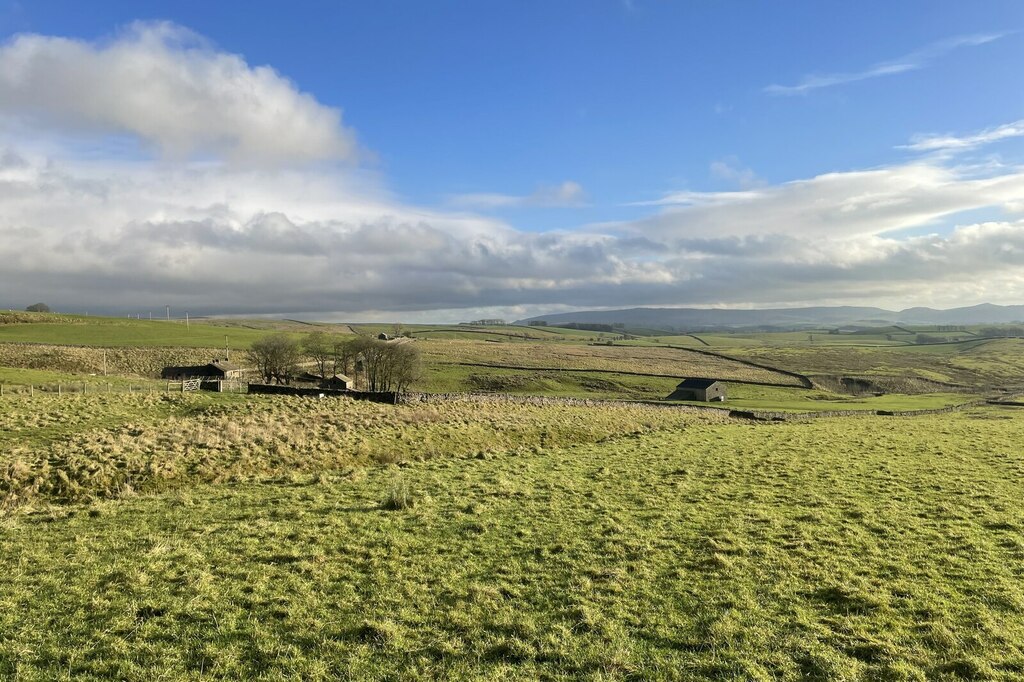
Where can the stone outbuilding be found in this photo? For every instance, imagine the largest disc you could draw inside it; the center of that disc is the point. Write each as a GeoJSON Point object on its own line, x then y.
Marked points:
{"type": "Point", "coordinates": [339, 382]}
{"type": "Point", "coordinates": [216, 369]}
{"type": "Point", "coordinates": [704, 390]}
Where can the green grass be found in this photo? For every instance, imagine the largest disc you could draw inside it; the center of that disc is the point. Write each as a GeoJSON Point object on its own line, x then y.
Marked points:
{"type": "Point", "coordinates": [980, 363]}
{"type": "Point", "coordinates": [772, 398]}
{"type": "Point", "coordinates": [18, 380]}
{"type": "Point", "coordinates": [82, 447]}
{"type": "Point", "coordinates": [873, 548]}
{"type": "Point", "coordinates": [117, 332]}
{"type": "Point", "coordinates": [443, 378]}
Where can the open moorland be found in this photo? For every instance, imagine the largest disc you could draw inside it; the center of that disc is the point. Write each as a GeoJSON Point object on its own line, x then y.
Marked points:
{"type": "Point", "coordinates": [522, 532]}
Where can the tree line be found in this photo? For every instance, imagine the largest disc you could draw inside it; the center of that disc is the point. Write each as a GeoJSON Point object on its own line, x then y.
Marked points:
{"type": "Point", "coordinates": [376, 365]}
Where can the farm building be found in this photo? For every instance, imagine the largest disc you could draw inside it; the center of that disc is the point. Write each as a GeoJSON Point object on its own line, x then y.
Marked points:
{"type": "Point", "coordinates": [338, 381]}
{"type": "Point", "coordinates": [705, 390]}
{"type": "Point", "coordinates": [217, 369]}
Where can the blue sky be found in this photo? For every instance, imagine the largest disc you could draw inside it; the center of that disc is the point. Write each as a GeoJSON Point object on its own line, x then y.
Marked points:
{"type": "Point", "coordinates": [587, 119]}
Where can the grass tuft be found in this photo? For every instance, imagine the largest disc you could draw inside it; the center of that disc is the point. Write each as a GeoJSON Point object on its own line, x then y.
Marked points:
{"type": "Point", "coordinates": [400, 495]}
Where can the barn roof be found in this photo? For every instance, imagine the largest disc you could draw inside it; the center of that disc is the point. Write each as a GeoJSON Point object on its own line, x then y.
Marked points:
{"type": "Point", "coordinates": [209, 369]}
{"type": "Point", "coordinates": [697, 383]}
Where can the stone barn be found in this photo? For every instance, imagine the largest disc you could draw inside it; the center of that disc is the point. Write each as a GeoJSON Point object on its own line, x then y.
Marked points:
{"type": "Point", "coordinates": [338, 381]}
{"type": "Point", "coordinates": [217, 369]}
{"type": "Point", "coordinates": [704, 390]}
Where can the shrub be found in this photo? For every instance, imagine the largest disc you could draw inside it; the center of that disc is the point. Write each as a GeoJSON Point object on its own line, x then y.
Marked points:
{"type": "Point", "coordinates": [399, 496]}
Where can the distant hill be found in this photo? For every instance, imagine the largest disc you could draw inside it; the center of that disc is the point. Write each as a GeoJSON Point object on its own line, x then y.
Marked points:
{"type": "Point", "coordinates": [692, 319]}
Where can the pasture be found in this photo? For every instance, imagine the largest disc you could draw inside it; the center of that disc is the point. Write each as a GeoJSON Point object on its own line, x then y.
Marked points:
{"type": "Point", "coordinates": [121, 332]}
{"type": "Point", "coordinates": [175, 536]}
{"type": "Point", "coordinates": [201, 536]}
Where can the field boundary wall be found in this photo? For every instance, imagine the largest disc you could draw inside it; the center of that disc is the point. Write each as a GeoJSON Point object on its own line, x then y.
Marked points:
{"type": "Point", "coordinates": [523, 368]}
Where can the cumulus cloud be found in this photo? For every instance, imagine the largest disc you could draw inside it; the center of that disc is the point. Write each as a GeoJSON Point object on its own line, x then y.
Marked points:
{"type": "Point", "coordinates": [274, 236]}
{"type": "Point", "coordinates": [224, 240]}
{"type": "Point", "coordinates": [170, 89]}
{"type": "Point", "coordinates": [954, 143]}
{"type": "Point", "coordinates": [565, 194]}
{"type": "Point", "coordinates": [918, 59]}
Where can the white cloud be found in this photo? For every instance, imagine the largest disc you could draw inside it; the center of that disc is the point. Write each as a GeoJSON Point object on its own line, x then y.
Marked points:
{"type": "Point", "coordinates": [167, 87]}
{"type": "Point", "coordinates": [836, 204]}
{"type": "Point", "coordinates": [913, 61]}
{"type": "Point", "coordinates": [92, 236]}
{"type": "Point", "coordinates": [731, 170]}
{"type": "Point", "coordinates": [271, 237]}
{"type": "Point", "coordinates": [953, 143]}
{"type": "Point", "coordinates": [565, 194]}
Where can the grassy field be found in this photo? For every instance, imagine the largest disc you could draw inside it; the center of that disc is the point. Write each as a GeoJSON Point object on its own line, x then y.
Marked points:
{"type": "Point", "coordinates": [979, 362]}
{"type": "Point", "coordinates": [81, 362]}
{"type": "Point", "coordinates": [270, 538]}
{"type": "Point", "coordinates": [446, 378]}
{"type": "Point", "coordinates": [675, 362]}
{"type": "Point", "coordinates": [772, 398]}
{"type": "Point", "coordinates": [222, 536]}
{"type": "Point", "coordinates": [117, 332]}
{"type": "Point", "coordinates": [51, 450]}
{"type": "Point", "coordinates": [18, 380]}
{"type": "Point", "coordinates": [534, 360]}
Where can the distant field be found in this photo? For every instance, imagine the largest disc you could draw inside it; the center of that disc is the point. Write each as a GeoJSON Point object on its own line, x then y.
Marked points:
{"type": "Point", "coordinates": [979, 362]}
{"type": "Point", "coordinates": [541, 543]}
{"type": "Point", "coordinates": [445, 378]}
{"type": "Point", "coordinates": [773, 398]}
{"type": "Point", "coordinates": [475, 333]}
{"type": "Point", "coordinates": [551, 361]}
{"type": "Point", "coordinates": [640, 359]}
{"type": "Point", "coordinates": [112, 333]}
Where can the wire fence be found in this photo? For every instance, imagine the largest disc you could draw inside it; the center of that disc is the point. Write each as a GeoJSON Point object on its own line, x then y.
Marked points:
{"type": "Point", "coordinates": [77, 388]}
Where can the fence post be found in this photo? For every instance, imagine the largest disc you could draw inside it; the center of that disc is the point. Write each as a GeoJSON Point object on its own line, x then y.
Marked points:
{"type": "Point", "coordinates": [1, 390]}
{"type": "Point", "coordinates": [85, 388]}
{"type": "Point", "coordinates": [58, 388]}
{"type": "Point", "coordinates": [31, 391]}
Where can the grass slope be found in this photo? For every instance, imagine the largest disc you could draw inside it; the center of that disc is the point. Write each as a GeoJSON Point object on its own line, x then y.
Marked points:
{"type": "Point", "coordinates": [839, 549]}
{"type": "Point", "coordinates": [116, 332]}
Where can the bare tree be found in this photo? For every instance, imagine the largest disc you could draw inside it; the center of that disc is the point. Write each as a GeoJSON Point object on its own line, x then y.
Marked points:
{"type": "Point", "coordinates": [345, 354]}
{"type": "Point", "coordinates": [318, 346]}
{"type": "Point", "coordinates": [406, 366]}
{"type": "Point", "coordinates": [387, 366]}
{"type": "Point", "coordinates": [275, 357]}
